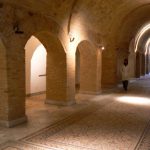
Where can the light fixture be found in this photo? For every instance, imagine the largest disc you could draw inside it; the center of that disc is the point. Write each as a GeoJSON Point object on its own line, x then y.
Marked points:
{"type": "Point", "coordinates": [17, 29]}
{"type": "Point", "coordinates": [71, 37]}
{"type": "Point", "coordinates": [101, 47]}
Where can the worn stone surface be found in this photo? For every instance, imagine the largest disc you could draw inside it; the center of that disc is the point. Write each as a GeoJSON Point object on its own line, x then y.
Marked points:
{"type": "Point", "coordinates": [112, 24]}
{"type": "Point", "coordinates": [117, 121]}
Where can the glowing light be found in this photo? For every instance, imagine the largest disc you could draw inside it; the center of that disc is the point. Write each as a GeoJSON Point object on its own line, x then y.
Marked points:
{"type": "Point", "coordinates": [134, 100]}
{"type": "Point", "coordinates": [140, 34]}
{"type": "Point", "coordinates": [103, 48]}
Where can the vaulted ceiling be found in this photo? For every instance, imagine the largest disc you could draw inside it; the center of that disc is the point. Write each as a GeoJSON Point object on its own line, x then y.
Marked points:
{"type": "Point", "coordinates": [111, 19]}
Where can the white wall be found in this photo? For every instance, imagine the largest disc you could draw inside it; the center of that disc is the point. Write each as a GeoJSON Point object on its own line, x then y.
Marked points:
{"type": "Point", "coordinates": [35, 66]}
{"type": "Point", "coordinates": [38, 69]}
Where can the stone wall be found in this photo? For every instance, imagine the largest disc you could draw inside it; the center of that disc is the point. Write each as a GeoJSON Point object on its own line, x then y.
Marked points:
{"type": "Point", "coordinates": [101, 23]}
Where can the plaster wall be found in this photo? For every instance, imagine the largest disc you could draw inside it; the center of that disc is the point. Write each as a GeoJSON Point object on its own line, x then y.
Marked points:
{"type": "Point", "coordinates": [35, 65]}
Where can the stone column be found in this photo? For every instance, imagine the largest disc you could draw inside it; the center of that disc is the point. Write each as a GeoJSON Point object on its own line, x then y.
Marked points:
{"type": "Point", "coordinates": [12, 101]}
{"type": "Point", "coordinates": [146, 63]}
{"type": "Point", "coordinates": [132, 64]}
{"type": "Point", "coordinates": [60, 87]}
{"type": "Point", "coordinates": [28, 75]}
{"type": "Point", "coordinates": [71, 60]}
{"type": "Point", "coordinates": [3, 87]}
{"type": "Point", "coordinates": [138, 65]}
{"type": "Point", "coordinates": [109, 69]}
{"type": "Point", "coordinates": [90, 72]}
{"type": "Point", "coordinates": [143, 65]}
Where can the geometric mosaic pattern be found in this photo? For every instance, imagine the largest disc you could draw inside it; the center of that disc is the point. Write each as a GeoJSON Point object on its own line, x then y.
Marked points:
{"type": "Point", "coordinates": [11, 145]}
{"type": "Point", "coordinates": [144, 141]}
{"type": "Point", "coordinates": [27, 144]}
{"type": "Point", "coordinates": [100, 126]}
{"type": "Point", "coordinates": [45, 133]}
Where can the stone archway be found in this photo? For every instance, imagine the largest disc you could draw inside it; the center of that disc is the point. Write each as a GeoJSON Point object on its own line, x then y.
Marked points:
{"type": "Point", "coordinates": [89, 73]}
{"type": "Point", "coordinates": [56, 79]}
{"type": "Point", "coordinates": [57, 83]}
{"type": "Point", "coordinates": [131, 56]}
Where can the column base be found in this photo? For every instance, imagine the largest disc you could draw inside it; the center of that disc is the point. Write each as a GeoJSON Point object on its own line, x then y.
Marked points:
{"type": "Point", "coordinates": [90, 93]}
{"type": "Point", "coordinates": [13, 123]}
{"type": "Point", "coordinates": [61, 103]}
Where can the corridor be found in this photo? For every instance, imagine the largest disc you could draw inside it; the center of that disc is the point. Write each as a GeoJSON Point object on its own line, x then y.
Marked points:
{"type": "Point", "coordinates": [110, 121]}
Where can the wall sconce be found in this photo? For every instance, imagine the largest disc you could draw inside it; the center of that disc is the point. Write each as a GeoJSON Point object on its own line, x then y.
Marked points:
{"type": "Point", "coordinates": [17, 29]}
{"type": "Point", "coordinates": [71, 37]}
{"type": "Point", "coordinates": [102, 48]}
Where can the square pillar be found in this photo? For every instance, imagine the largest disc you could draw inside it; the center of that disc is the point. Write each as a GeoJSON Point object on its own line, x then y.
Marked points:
{"type": "Point", "coordinates": [12, 88]}
{"type": "Point", "coordinates": [90, 72]}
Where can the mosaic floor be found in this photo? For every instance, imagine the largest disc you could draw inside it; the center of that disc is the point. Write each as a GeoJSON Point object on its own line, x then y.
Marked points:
{"type": "Point", "coordinates": [115, 121]}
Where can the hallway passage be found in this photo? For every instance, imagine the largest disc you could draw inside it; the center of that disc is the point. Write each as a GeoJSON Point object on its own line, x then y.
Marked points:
{"type": "Point", "coordinates": [110, 121]}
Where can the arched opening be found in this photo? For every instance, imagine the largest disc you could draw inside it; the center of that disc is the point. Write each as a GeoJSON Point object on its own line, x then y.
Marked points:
{"type": "Point", "coordinates": [141, 45]}
{"type": "Point", "coordinates": [134, 40]}
{"type": "Point", "coordinates": [56, 68]}
{"type": "Point", "coordinates": [35, 66]}
{"type": "Point", "coordinates": [88, 68]}
{"type": "Point", "coordinates": [131, 55]}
